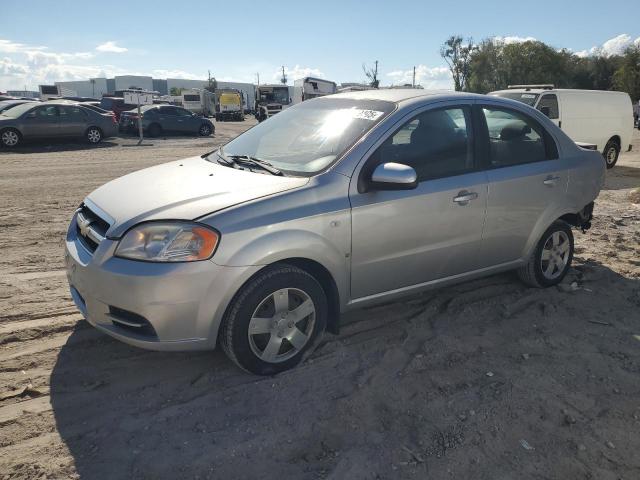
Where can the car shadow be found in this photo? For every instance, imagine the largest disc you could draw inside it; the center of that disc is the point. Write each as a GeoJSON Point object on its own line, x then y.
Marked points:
{"type": "Point", "coordinates": [57, 146]}
{"type": "Point", "coordinates": [622, 177]}
{"type": "Point", "coordinates": [129, 413]}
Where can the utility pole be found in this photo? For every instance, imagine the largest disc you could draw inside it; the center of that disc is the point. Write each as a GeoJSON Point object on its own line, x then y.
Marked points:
{"type": "Point", "coordinates": [413, 84]}
{"type": "Point", "coordinates": [258, 75]}
{"type": "Point", "coordinates": [284, 77]}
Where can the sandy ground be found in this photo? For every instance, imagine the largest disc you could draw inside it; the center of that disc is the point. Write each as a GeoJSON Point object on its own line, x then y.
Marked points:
{"type": "Point", "coordinates": [484, 380]}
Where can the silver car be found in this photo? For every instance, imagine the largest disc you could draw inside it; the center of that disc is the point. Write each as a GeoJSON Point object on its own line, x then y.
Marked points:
{"type": "Point", "coordinates": [56, 119]}
{"type": "Point", "coordinates": [334, 204]}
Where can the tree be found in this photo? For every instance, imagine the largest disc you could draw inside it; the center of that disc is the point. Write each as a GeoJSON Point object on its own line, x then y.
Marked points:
{"type": "Point", "coordinates": [372, 74]}
{"type": "Point", "coordinates": [175, 91]}
{"type": "Point", "coordinates": [458, 58]}
{"type": "Point", "coordinates": [627, 77]}
{"type": "Point", "coordinates": [212, 84]}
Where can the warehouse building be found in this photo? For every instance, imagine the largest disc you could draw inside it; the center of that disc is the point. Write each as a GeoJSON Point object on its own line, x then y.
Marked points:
{"type": "Point", "coordinates": [97, 87]}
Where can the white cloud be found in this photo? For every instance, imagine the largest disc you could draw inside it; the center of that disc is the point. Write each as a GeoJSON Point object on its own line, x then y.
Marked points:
{"type": "Point", "coordinates": [297, 72]}
{"type": "Point", "coordinates": [111, 47]}
{"type": "Point", "coordinates": [10, 69]}
{"type": "Point", "coordinates": [7, 46]}
{"type": "Point", "coordinates": [513, 39]}
{"type": "Point", "coordinates": [614, 46]}
{"type": "Point", "coordinates": [428, 77]}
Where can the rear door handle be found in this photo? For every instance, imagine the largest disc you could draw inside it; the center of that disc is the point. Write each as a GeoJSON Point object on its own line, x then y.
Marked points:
{"type": "Point", "coordinates": [465, 197]}
{"type": "Point", "coordinates": [551, 180]}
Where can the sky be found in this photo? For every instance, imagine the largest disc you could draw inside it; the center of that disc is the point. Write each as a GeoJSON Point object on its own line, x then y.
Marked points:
{"type": "Point", "coordinates": [47, 41]}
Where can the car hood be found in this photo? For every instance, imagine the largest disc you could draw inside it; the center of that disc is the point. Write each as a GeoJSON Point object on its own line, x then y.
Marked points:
{"type": "Point", "coordinates": [181, 190]}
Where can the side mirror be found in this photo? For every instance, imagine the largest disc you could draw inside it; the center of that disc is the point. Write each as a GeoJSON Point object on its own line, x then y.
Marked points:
{"type": "Point", "coordinates": [393, 176]}
{"type": "Point", "coordinates": [546, 111]}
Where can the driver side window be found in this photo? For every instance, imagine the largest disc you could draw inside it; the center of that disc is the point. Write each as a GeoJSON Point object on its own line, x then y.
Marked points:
{"type": "Point", "coordinates": [436, 143]}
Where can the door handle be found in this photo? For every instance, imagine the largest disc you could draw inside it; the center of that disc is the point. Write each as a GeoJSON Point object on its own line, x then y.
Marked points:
{"type": "Point", "coordinates": [551, 180]}
{"type": "Point", "coordinates": [465, 197]}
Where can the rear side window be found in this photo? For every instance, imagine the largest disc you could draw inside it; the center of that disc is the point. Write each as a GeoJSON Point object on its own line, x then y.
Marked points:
{"type": "Point", "coordinates": [106, 103]}
{"type": "Point", "coordinates": [549, 106]}
{"type": "Point", "coordinates": [436, 143]}
{"type": "Point", "coordinates": [72, 114]}
{"type": "Point", "coordinates": [515, 138]}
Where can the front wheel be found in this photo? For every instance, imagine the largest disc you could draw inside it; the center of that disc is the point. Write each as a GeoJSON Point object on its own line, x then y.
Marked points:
{"type": "Point", "coordinates": [205, 130]}
{"type": "Point", "coordinates": [611, 153]}
{"type": "Point", "coordinates": [274, 320]}
{"type": "Point", "coordinates": [551, 259]}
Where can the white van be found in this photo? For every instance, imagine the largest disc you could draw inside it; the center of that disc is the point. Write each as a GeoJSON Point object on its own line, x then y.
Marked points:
{"type": "Point", "coordinates": [595, 117]}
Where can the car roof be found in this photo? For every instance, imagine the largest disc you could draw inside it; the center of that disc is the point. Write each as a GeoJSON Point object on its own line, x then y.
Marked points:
{"type": "Point", "coordinates": [398, 95]}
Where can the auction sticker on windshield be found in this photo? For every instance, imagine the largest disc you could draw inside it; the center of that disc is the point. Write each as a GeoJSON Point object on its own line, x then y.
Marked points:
{"type": "Point", "coordinates": [366, 114]}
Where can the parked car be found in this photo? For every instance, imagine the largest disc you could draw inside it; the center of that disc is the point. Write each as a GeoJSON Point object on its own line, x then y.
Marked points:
{"type": "Point", "coordinates": [51, 120]}
{"type": "Point", "coordinates": [158, 119]}
{"type": "Point", "coordinates": [115, 105]}
{"type": "Point", "coordinates": [7, 104]}
{"type": "Point", "coordinates": [592, 117]}
{"type": "Point", "coordinates": [336, 203]}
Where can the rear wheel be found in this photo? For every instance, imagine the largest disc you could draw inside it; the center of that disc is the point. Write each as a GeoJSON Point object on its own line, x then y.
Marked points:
{"type": "Point", "coordinates": [10, 137]}
{"type": "Point", "coordinates": [611, 153]}
{"type": "Point", "coordinates": [93, 135]}
{"type": "Point", "coordinates": [551, 259]}
{"type": "Point", "coordinates": [275, 320]}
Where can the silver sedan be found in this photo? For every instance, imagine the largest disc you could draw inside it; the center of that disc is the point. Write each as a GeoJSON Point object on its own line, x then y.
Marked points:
{"type": "Point", "coordinates": [336, 203]}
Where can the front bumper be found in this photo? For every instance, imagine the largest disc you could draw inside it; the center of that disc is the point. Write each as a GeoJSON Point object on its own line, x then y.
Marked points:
{"type": "Point", "coordinates": [180, 305]}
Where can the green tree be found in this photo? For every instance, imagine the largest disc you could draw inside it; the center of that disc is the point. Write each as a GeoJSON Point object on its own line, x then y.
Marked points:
{"type": "Point", "coordinates": [458, 54]}
{"type": "Point", "coordinates": [627, 77]}
{"type": "Point", "coordinates": [175, 91]}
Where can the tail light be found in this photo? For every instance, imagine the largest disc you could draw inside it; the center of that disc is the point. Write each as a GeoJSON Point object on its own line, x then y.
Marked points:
{"type": "Point", "coordinates": [113, 117]}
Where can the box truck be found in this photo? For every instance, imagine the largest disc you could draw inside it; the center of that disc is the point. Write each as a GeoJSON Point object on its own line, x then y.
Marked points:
{"type": "Point", "coordinates": [308, 87]}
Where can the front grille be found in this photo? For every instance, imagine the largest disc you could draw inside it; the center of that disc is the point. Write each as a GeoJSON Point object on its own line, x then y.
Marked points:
{"type": "Point", "coordinates": [91, 229]}
{"type": "Point", "coordinates": [131, 322]}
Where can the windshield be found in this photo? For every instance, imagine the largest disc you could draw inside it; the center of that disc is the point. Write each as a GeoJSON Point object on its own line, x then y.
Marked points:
{"type": "Point", "coordinates": [278, 95]}
{"type": "Point", "coordinates": [308, 137]}
{"type": "Point", "coordinates": [15, 112]}
{"type": "Point", "coordinates": [524, 97]}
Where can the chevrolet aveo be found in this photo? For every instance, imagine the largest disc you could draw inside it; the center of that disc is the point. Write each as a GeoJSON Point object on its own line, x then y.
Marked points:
{"type": "Point", "coordinates": [333, 204]}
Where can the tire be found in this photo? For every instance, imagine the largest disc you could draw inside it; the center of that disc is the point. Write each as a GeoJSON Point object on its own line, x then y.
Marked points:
{"type": "Point", "coordinates": [93, 135]}
{"type": "Point", "coordinates": [154, 130]}
{"type": "Point", "coordinates": [556, 244]}
{"type": "Point", "coordinates": [205, 130]}
{"type": "Point", "coordinates": [10, 138]}
{"type": "Point", "coordinates": [610, 153]}
{"type": "Point", "coordinates": [269, 350]}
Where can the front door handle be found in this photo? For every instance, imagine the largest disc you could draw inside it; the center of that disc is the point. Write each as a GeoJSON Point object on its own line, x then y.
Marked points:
{"type": "Point", "coordinates": [464, 197]}
{"type": "Point", "coordinates": [551, 180]}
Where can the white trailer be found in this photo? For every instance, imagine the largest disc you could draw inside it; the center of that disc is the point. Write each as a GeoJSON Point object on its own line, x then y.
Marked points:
{"type": "Point", "coordinates": [308, 87]}
{"type": "Point", "coordinates": [199, 101]}
{"type": "Point", "coordinates": [595, 117]}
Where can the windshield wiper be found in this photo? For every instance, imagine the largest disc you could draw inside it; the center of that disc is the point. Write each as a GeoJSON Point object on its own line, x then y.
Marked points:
{"type": "Point", "coordinates": [253, 161]}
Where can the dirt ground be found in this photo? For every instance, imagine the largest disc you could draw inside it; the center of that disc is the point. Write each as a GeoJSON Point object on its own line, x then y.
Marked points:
{"type": "Point", "coordinates": [484, 380]}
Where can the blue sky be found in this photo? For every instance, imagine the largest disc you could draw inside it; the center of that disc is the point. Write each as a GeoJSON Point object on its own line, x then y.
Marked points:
{"type": "Point", "coordinates": [65, 40]}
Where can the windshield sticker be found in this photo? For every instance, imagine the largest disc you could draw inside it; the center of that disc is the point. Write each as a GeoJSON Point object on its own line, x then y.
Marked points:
{"type": "Point", "coordinates": [367, 114]}
{"type": "Point", "coordinates": [528, 95]}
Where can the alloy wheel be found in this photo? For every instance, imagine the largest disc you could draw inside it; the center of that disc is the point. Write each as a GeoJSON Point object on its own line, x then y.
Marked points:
{"type": "Point", "coordinates": [555, 255]}
{"type": "Point", "coordinates": [10, 138]}
{"type": "Point", "coordinates": [281, 325]}
{"type": "Point", "coordinates": [94, 135]}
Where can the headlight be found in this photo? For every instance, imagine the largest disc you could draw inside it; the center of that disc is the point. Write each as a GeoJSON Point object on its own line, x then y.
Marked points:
{"type": "Point", "coordinates": [168, 242]}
